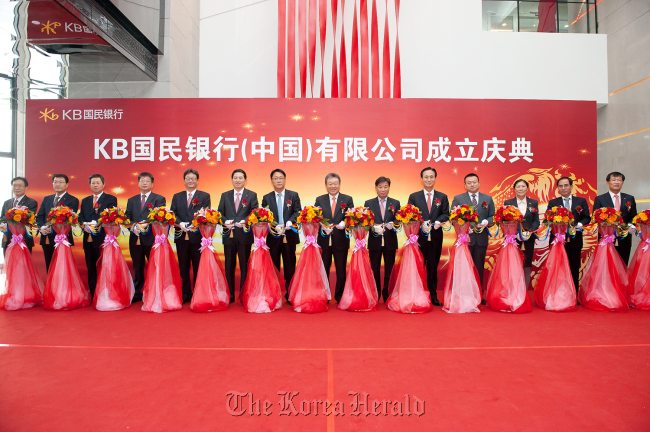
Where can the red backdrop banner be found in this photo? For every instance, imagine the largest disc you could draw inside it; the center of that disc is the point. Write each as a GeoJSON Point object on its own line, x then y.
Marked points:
{"type": "Point", "coordinates": [500, 140]}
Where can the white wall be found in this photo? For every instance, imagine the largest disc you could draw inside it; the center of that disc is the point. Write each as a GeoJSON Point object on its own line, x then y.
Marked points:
{"type": "Point", "coordinates": [444, 54]}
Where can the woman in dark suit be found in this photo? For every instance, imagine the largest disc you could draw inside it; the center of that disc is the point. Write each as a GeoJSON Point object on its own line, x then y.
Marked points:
{"type": "Point", "coordinates": [530, 209]}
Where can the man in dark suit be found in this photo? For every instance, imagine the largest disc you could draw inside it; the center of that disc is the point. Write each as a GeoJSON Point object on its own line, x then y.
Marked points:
{"type": "Point", "coordinates": [60, 197]}
{"type": "Point", "coordinates": [184, 205]}
{"type": "Point", "coordinates": [434, 207]}
{"type": "Point", "coordinates": [625, 204]}
{"type": "Point", "coordinates": [285, 206]}
{"type": "Point", "coordinates": [91, 207]}
{"type": "Point", "coordinates": [383, 238]}
{"type": "Point", "coordinates": [484, 206]}
{"type": "Point", "coordinates": [335, 244]}
{"type": "Point", "coordinates": [581, 216]}
{"type": "Point", "coordinates": [235, 206]}
{"type": "Point", "coordinates": [137, 210]}
{"type": "Point", "coordinates": [19, 186]}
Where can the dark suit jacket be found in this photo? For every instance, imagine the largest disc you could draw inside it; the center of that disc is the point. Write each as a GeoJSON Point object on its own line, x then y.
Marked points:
{"type": "Point", "coordinates": [531, 219]}
{"type": "Point", "coordinates": [135, 214]}
{"type": "Point", "coordinates": [290, 212]}
{"type": "Point", "coordinates": [482, 239]}
{"type": "Point", "coordinates": [339, 240]}
{"type": "Point", "coordinates": [228, 212]}
{"type": "Point", "coordinates": [26, 201]}
{"type": "Point", "coordinates": [46, 206]}
{"type": "Point", "coordinates": [390, 236]}
{"type": "Point", "coordinates": [88, 214]}
{"type": "Point", "coordinates": [438, 213]}
{"type": "Point", "coordinates": [605, 200]}
{"type": "Point", "coordinates": [583, 216]}
{"type": "Point", "coordinates": [186, 214]}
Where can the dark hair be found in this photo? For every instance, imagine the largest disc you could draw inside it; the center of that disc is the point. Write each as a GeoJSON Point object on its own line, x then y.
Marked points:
{"type": "Point", "coordinates": [332, 175]}
{"type": "Point", "coordinates": [520, 180]}
{"type": "Point", "coordinates": [382, 179]}
{"type": "Point", "coordinates": [278, 170]}
{"type": "Point", "coordinates": [428, 169]}
{"type": "Point", "coordinates": [470, 175]}
{"type": "Point", "coordinates": [19, 178]}
{"type": "Point", "coordinates": [557, 183]}
{"type": "Point", "coordinates": [99, 176]}
{"type": "Point", "coordinates": [191, 171]}
{"type": "Point", "coordinates": [145, 174]}
{"type": "Point", "coordinates": [238, 170]}
{"type": "Point", "coordinates": [63, 176]}
{"type": "Point", "coordinates": [615, 174]}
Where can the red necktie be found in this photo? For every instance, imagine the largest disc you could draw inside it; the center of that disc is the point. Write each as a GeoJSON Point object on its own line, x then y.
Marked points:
{"type": "Point", "coordinates": [617, 202]}
{"type": "Point", "coordinates": [333, 206]}
{"type": "Point", "coordinates": [237, 201]}
{"type": "Point", "coordinates": [429, 201]}
{"type": "Point", "coordinates": [143, 200]}
{"type": "Point", "coordinates": [189, 199]}
{"type": "Point", "coordinates": [383, 209]}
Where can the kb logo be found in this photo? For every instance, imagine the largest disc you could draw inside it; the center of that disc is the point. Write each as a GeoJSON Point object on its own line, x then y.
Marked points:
{"type": "Point", "coordinates": [48, 114]}
{"type": "Point", "coordinates": [48, 26]}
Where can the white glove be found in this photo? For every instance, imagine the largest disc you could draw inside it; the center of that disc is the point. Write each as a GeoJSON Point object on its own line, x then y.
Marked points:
{"type": "Point", "coordinates": [579, 226]}
{"type": "Point", "coordinates": [341, 225]}
{"type": "Point", "coordinates": [378, 229]}
{"type": "Point", "coordinates": [389, 226]}
{"type": "Point", "coordinates": [327, 231]}
{"type": "Point", "coordinates": [289, 224]}
{"type": "Point", "coordinates": [239, 224]}
{"type": "Point", "coordinates": [184, 227]}
{"type": "Point", "coordinates": [85, 227]}
{"type": "Point", "coordinates": [279, 229]}
{"type": "Point", "coordinates": [135, 229]}
{"type": "Point", "coordinates": [93, 223]}
{"type": "Point", "coordinates": [228, 224]}
{"type": "Point", "coordinates": [3, 226]}
{"type": "Point", "coordinates": [631, 228]}
{"type": "Point", "coordinates": [484, 223]}
{"type": "Point", "coordinates": [436, 225]}
{"type": "Point", "coordinates": [426, 226]}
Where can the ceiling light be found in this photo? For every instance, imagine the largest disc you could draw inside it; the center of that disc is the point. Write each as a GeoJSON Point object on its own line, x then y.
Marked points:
{"type": "Point", "coordinates": [504, 24]}
{"type": "Point", "coordinates": [566, 25]}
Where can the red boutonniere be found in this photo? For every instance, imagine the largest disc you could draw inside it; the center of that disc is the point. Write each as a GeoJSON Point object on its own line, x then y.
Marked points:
{"type": "Point", "coordinates": [61, 203]}
{"type": "Point", "coordinates": [288, 203]}
{"type": "Point", "coordinates": [96, 207]}
{"type": "Point", "coordinates": [484, 204]}
{"type": "Point", "coordinates": [195, 201]}
{"type": "Point", "coordinates": [244, 202]}
{"type": "Point", "coordinates": [149, 205]}
{"type": "Point", "coordinates": [343, 206]}
{"type": "Point", "coordinates": [437, 203]}
{"type": "Point", "coordinates": [392, 208]}
{"type": "Point", "coordinates": [579, 209]}
{"type": "Point", "coordinates": [533, 210]}
{"type": "Point", "coordinates": [628, 205]}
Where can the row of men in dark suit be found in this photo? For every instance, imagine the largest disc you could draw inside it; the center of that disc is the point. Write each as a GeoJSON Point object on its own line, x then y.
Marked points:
{"type": "Point", "coordinates": [235, 205]}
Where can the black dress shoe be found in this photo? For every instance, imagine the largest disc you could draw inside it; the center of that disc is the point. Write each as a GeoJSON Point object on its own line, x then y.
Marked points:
{"type": "Point", "coordinates": [232, 299]}
{"type": "Point", "coordinates": [436, 302]}
{"type": "Point", "coordinates": [483, 302]}
{"type": "Point", "coordinates": [187, 300]}
{"type": "Point", "coordinates": [137, 298]}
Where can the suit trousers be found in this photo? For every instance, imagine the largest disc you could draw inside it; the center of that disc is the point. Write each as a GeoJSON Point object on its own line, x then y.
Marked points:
{"type": "Point", "coordinates": [139, 255]}
{"type": "Point", "coordinates": [92, 254]}
{"type": "Point", "coordinates": [375, 264]}
{"type": "Point", "coordinates": [431, 252]}
{"type": "Point", "coordinates": [48, 252]}
{"type": "Point", "coordinates": [340, 261]}
{"type": "Point", "coordinates": [236, 249]}
{"type": "Point", "coordinates": [478, 256]}
{"type": "Point", "coordinates": [286, 253]}
{"type": "Point", "coordinates": [188, 256]}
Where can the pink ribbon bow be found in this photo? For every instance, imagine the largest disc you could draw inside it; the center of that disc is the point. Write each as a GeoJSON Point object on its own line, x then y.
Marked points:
{"type": "Point", "coordinates": [160, 239]}
{"type": "Point", "coordinates": [359, 244]}
{"type": "Point", "coordinates": [413, 239]}
{"type": "Point", "coordinates": [310, 240]}
{"type": "Point", "coordinates": [510, 239]}
{"type": "Point", "coordinates": [647, 246]}
{"type": "Point", "coordinates": [17, 240]}
{"type": "Point", "coordinates": [607, 239]}
{"type": "Point", "coordinates": [560, 238]}
{"type": "Point", "coordinates": [206, 243]}
{"type": "Point", "coordinates": [110, 240]}
{"type": "Point", "coordinates": [260, 242]}
{"type": "Point", "coordinates": [462, 239]}
{"type": "Point", "coordinates": [60, 239]}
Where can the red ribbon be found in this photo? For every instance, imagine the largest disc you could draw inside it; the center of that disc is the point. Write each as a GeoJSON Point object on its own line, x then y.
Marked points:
{"type": "Point", "coordinates": [291, 50]}
{"type": "Point", "coordinates": [282, 29]}
{"type": "Point", "coordinates": [343, 75]}
{"type": "Point", "coordinates": [354, 56]}
{"type": "Point", "coordinates": [374, 50]}
{"type": "Point", "coordinates": [397, 80]}
{"type": "Point", "coordinates": [386, 59]}
{"type": "Point", "coordinates": [322, 17]}
{"type": "Point", "coordinates": [302, 46]}
{"type": "Point", "coordinates": [311, 28]}
{"type": "Point", "coordinates": [335, 88]}
{"type": "Point", "coordinates": [365, 53]}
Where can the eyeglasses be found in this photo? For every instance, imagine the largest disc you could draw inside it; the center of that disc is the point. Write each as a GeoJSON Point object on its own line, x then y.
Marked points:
{"type": "Point", "coordinates": [191, 178]}
{"type": "Point", "coordinates": [56, 182]}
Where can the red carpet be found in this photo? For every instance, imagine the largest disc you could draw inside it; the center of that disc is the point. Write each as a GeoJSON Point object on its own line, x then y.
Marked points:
{"type": "Point", "coordinates": [131, 370]}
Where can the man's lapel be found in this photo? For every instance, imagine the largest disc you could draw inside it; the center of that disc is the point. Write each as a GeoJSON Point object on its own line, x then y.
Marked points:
{"type": "Point", "coordinates": [375, 207]}
{"type": "Point", "coordinates": [273, 204]}
{"type": "Point", "coordinates": [608, 199]}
